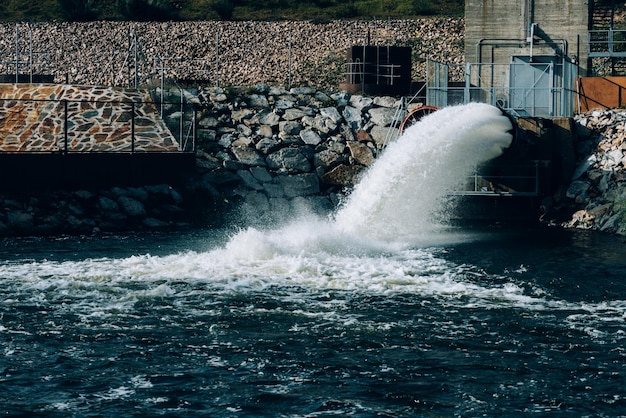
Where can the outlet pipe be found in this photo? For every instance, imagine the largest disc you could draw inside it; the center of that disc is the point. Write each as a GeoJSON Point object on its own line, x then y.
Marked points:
{"type": "Point", "coordinates": [520, 144]}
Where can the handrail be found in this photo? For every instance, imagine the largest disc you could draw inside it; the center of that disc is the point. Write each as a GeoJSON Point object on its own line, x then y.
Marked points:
{"type": "Point", "coordinates": [606, 43]}
{"type": "Point", "coordinates": [491, 83]}
{"type": "Point", "coordinates": [23, 59]}
{"type": "Point", "coordinates": [70, 121]}
{"type": "Point", "coordinates": [399, 114]}
{"type": "Point", "coordinates": [493, 181]}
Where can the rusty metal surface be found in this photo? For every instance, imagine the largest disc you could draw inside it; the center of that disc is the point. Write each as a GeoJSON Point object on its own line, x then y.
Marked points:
{"type": "Point", "coordinates": [601, 92]}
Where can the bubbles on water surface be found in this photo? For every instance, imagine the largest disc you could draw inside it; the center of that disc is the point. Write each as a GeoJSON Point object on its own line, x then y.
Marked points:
{"type": "Point", "coordinates": [309, 258]}
{"type": "Point", "coordinates": [382, 241]}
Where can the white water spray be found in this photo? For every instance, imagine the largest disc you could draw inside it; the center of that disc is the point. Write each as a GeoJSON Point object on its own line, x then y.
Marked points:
{"type": "Point", "coordinates": [401, 196]}
{"type": "Point", "coordinates": [395, 204]}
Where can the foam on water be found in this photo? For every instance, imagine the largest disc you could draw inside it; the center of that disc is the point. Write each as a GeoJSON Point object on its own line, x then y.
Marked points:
{"type": "Point", "coordinates": [246, 266]}
{"type": "Point", "coordinates": [377, 243]}
{"type": "Point", "coordinates": [97, 289]}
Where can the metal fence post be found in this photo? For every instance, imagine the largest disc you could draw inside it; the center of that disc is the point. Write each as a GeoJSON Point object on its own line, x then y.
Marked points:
{"type": "Point", "coordinates": [194, 135]}
{"type": "Point", "coordinates": [17, 52]}
{"type": "Point", "coordinates": [132, 127]}
{"type": "Point", "coordinates": [136, 58]}
{"type": "Point", "coordinates": [217, 57]}
{"type": "Point", "coordinates": [30, 54]}
{"type": "Point", "coordinates": [182, 114]}
{"type": "Point", "coordinates": [290, 52]}
{"type": "Point", "coordinates": [162, 71]}
{"type": "Point", "coordinates": [130, 46]}
{"type": "Point", "coordinates": [65, 126]}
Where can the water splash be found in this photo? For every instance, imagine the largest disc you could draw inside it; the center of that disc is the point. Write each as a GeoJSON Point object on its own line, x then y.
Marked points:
{"type": "Point", "coordinates": [402, 195]}
{"type": "Point", "coordinates": [379, 240]}
{"type": "Point", "coordinates": [396, 203]}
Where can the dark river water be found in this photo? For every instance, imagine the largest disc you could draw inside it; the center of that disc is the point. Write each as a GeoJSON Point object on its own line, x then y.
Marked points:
{"type": "Point", "coordinates": [376, 312]}
{"type": "Point", "coordinates": [284, 323]}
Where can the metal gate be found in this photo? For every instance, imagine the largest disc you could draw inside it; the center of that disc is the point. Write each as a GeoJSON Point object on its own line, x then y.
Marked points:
{"type": "Point", "coordinates": [531, 84]}
{"type": "Point", "coordinates": [437, 80]}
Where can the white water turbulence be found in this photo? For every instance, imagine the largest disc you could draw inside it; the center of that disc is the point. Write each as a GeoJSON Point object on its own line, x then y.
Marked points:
{"type": "Point", "coordinates": [377, 242]}
{"type": "Point", "coordinates": [402, 195]}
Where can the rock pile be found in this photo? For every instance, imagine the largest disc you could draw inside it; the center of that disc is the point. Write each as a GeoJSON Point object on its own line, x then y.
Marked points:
{"type": "Point", "coordinates": [88, 212]}
{"type": "Point", "coordinates": [597, 193]}
{"type": "Point", "coordinates": [266, 151]}
{"type": "Point", "coordinates": [277, 151]}
{"type": "Point", "coordinates": [272, 152]}
{"type": "Point", "coordinates": [294, 53]}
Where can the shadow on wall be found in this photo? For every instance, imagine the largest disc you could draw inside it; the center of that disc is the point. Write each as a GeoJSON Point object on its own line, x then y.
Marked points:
{"type": "Point", "coordinates": [601, 92]}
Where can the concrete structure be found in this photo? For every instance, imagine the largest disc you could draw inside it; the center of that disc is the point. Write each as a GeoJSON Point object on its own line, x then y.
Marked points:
{"type": "Point", "coordinates": [532, 57]}
{"type": "Point", "coordinates": [524, 55]}
{"type": "Point", "coordinates": [497, 30]}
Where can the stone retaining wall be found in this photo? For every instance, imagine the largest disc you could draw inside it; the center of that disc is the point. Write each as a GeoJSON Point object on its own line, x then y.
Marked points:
{"type": "Point", "coordinates": [278, 150]}
{"type": "Point", "coordinates": [272, 152]}
{"type": "Point", "coordinates": [35, 117]}
{"type": "Point", "coordinates": [267, 153]}
{"type": "Point", "coordinates": [284, 149]}
{"type": "Point", "coordinates": [59, 212]}
{"type": "Point", "coordinates": [264, 154]}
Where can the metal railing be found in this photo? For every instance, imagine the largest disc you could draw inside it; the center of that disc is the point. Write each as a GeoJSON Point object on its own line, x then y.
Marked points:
{"type": "Point", "coordinates": [116, 56]}
{"type": "Point", "coordinates": [129, 68]}
{"type": "Point", "coordinates": [401, 112]}
{"type": "Point", "coordinates": [526, 184]}
{"type": "Point", "coordinates": [89, 126]}
{"type": "Point", "coordinates": [548, 92]}
{"type": "Point", "coordinates": [356, 74]}
{"type": "Point", "coordinates": [607, 43]}
{"type": "Point", "coordinates": [19, 58]}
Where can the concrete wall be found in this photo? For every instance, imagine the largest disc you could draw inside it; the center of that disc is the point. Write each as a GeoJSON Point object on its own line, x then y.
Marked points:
{"type": "Point", "coordinates": [497, 29]}
{"type": "Point", "coordinates": [33, 172]}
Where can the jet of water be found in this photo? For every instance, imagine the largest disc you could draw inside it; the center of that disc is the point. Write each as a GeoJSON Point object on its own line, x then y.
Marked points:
{"type": "Point", "coordinates": [402, 196]}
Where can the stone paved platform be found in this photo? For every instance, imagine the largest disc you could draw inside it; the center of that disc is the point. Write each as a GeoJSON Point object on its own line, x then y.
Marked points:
{"type": "Point", "coordinates": [99, 119]}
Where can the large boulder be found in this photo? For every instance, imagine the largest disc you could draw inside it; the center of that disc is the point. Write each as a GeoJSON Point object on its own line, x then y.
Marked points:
{"type": "Point", "coordinates": [353, 117]}
{"type": "Point", "coordinates": [131, 207]}
{"type": "Point", "coordinates": [291, 160]}
{"type": "Point", "coordinates": [383, 135]}
{"type": "Point", "coordinates": [382, 116]}
{"type": "Point", "coordinates": [343, 175]}
{"type": "Point", "coordinates": [361, 153]}
{"type": "Point", "coordinates": [328, 158]}
{"type": "Point", "coordinates": [300, 184]}
{"type": "Point", "coordinates": [310, 137]}
{"type": "Point", "coordinates": [248, 156]}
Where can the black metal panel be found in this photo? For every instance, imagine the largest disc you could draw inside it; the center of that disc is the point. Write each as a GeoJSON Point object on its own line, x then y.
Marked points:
{"type": "Point", "coordinates": [27, 78]}
{"type": "Point", "coordinates": [35, 172]}
{"type": "Point", "coordinates": [379, 70]}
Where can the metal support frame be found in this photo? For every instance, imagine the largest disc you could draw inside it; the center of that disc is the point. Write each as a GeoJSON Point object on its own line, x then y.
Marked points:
{"type": "Point", "coordinates": [607, 43]}
{"type": "Point", "coordinates": [23, 55]}
{"type": "Point", "coordinates": [479, 190]}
